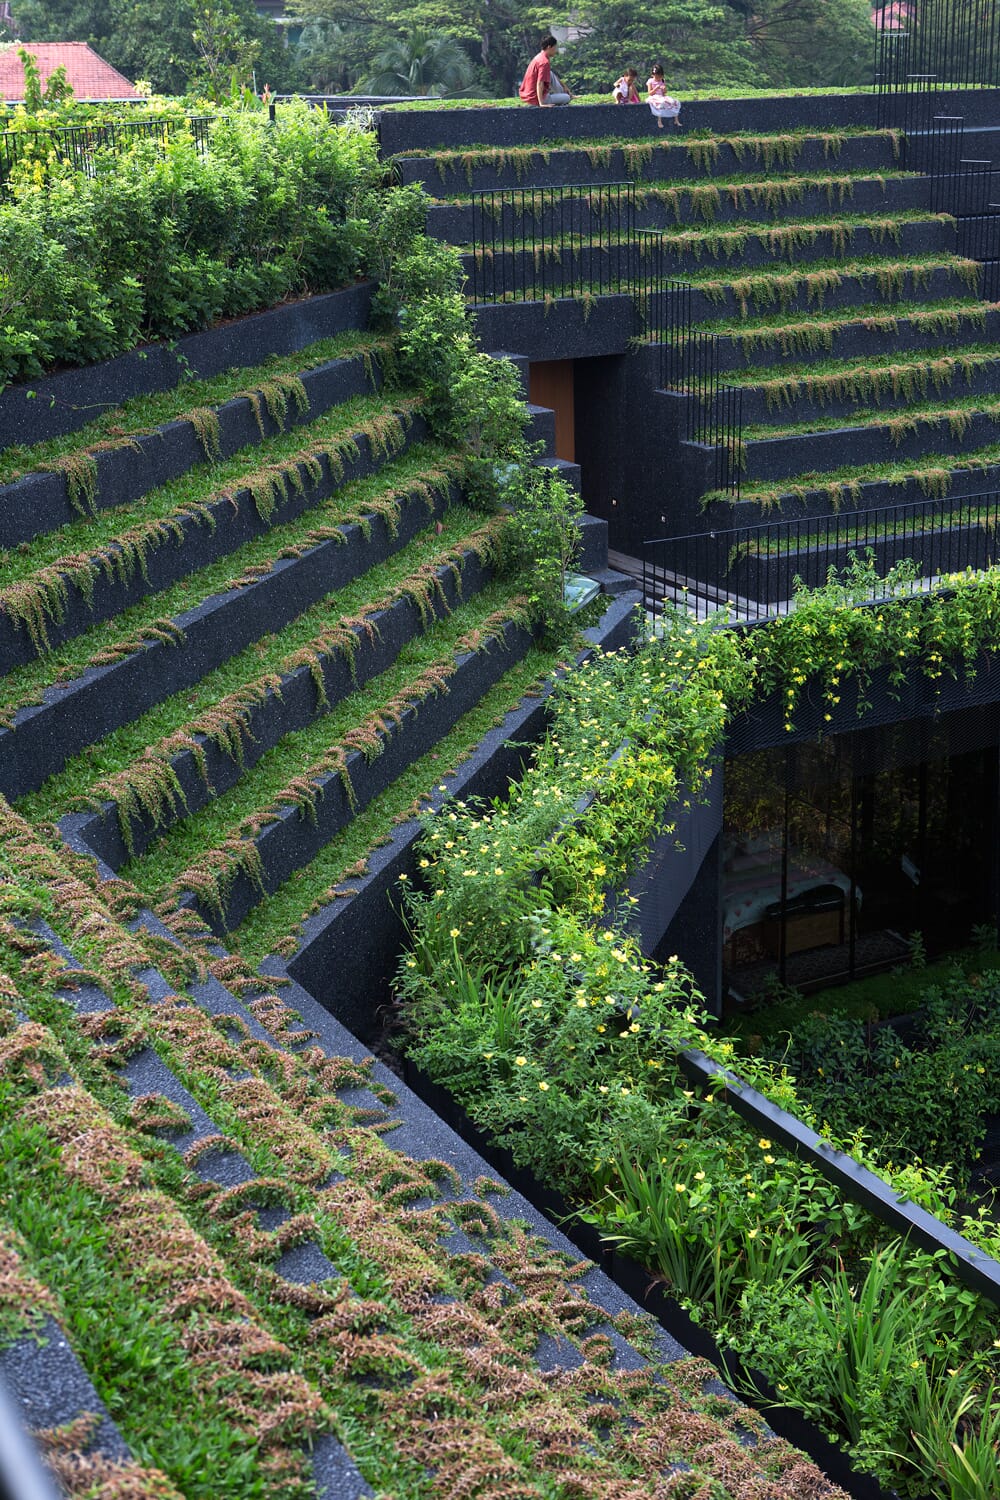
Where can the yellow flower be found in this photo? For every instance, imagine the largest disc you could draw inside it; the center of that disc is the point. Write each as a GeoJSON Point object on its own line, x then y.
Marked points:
{"type": "Point", "coordinates": [699, 1177]}
{"type": "Point", "coordinates": [765, 1145]}
{"type": "Point", "coordinates": [543, 1086]}
{"type": "Point", "coordinates": [455, 931]}
{"type": "Point", "coordinates": [520, 1061]}
{"type": "Point", "coordinates": [680, 1187]}
{"type": "Point", "coordinates": [769, 1160]}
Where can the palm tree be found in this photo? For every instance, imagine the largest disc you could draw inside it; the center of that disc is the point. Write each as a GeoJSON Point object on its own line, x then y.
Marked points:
{"type": "Point", "coordinates": [422, 62]}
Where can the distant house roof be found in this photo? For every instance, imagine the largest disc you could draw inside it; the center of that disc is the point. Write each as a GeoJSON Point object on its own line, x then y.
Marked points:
{"type": "Point", "coordinates": [893, 17]}
{"type": "Point", "coordinates": [90, 76]}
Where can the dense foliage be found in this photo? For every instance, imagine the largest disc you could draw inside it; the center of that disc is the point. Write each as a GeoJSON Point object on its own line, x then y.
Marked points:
{"type": "Point", "coordinates": [190, 44]}
{"type": "Point", "coordinates": [699, 42]}
{"type": "Point", "coordinates": [165, 238]}
{"type": "Point", "coordinates": [925, 1091]}
{"type": "Point", "coordinates": [525, 996]}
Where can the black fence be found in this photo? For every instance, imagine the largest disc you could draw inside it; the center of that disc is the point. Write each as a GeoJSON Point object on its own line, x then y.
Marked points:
{"type": "Point", "coordinates": [689, 364]}
{"type": "Point", "coordinates": [752, 571]}
{"type": "Point", "coordinates": [957, 41]}
{"type": "Point", "coordinates": [532, 244]}
{"type": "Point", "coordinates": [76, 144]}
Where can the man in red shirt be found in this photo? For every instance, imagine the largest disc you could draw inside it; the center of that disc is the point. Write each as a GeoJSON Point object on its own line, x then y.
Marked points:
{"type": "Point", "coordinates": [538, 85]}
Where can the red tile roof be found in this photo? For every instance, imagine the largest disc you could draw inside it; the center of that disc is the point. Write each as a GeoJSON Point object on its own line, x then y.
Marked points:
{"type": "Point", "coordinates": [89, 75]}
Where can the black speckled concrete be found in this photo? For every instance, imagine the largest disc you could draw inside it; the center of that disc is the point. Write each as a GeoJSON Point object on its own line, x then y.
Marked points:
{"type": "Point", "coordinates": [101, 699]}
{"type": "Point", "coordinates": [564, 329]}
{"type": "Point", "coordinates": [50, 1387]}
{"type": "Point", "coordinates": [58, 404]}
{"type": "Point", "coordinates": [348, 949]}
{"type": "Point", "coordinates": [305, 1264]}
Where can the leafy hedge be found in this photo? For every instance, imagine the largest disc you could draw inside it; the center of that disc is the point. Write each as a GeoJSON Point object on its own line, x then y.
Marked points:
{"type": "Point", "coordinates": [545, 1022]}
{"type": "Point", "coordinates": [163, 239]}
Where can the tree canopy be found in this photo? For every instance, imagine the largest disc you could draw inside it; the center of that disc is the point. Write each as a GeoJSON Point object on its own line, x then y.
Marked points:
{"type": "Point", "coordinates": [451, 46]}
{"type": "Point", "coordinates": [178, 45]}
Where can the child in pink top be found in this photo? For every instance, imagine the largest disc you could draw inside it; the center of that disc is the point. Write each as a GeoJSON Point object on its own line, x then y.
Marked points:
{"type": "Point", "coordinates": [664, 107]}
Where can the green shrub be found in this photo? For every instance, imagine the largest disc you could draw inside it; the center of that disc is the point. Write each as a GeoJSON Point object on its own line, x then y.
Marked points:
{"type": "Point", "coordinates": [162, 238]}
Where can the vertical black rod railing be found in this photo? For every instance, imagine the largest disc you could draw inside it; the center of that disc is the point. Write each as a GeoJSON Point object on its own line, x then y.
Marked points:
{"type": "Point", "coordinates": [573, 240]}
{"type": "Point", "coordinates": [750, 569]}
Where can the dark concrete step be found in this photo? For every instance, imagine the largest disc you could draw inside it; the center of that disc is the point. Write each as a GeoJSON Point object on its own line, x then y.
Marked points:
{"type": "Point", "coordinates": [789, 290]}
{"type": "Point", "coordinates": [564, 328]}
{"type": "Point", "coordinates": [523, 220]}
{"type": "Point", "coordinates": [295, 837]}
{"type": "Point", "coordinates": [42, 502]}
{"type": "Point", "coordinates": [553, 271]}
{"type": "Point", "coordinates": [856, 338]}
{"type": "Point", "coordinates": [514, 125]}
{"type": "Point", "coordinates": [75, 714]}
{"type": "Point", "coordinates": [55, 405]}
{"type": "Point", "coordinates": [291, 704]}
{"type": "Point", "coordinates": [661, 157]}
{"type": "Point", "coordinates": [800, 404]}
{"type": "Point", "coordinates": [815, 496]}
{"type": "Point", "coordinates": [542, 428]}
{"type": "Point", "coordinates": [801, 453]}
{"type": "Point", "coordinates": [179, 548]}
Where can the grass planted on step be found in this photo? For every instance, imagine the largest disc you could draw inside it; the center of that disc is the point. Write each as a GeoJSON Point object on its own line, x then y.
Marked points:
{"type": "Point", "coordinates": [111, 755]}
{"type": "Point", "coordinates": [334, 435]}
{"type": "Point", "coordinates": [780, 285]}
{"type": "Point", "coordinates": [142, 414]}
{"type": "Point", "coordinates": [779, 239]}
{"type": "Point", "coordinates": [957, 416]}
{"type": "Point", "coordinates": [707, 199]}
{"type": "Point", "coordinates": [147, 787]}
{"type": "Point", "coordinates": [813, 537]}
{"type": "Point", "coordinates": [274, 923]}
{"type": "Point", "coordinates": [802, 335]}
{"type": "Point", "coordinates": [933, 476]}
{"type": "Point", "coordinates": [424, 470]}
{"type": "Point", "coordinates": [882, 377]}
{"type": "Point", "coordinates": [224, 819]}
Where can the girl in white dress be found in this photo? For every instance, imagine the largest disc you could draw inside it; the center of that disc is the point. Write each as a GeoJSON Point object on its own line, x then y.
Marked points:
{"type": "Point", "coordinates": [664, 107]}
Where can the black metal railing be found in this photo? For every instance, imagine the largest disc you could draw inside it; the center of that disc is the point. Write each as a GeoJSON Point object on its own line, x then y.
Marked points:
{"type": "Point", "coordinates": [956, 41]}
{"type": "Point", "coordinates": [752, 571]}
{"type": "Point", "coordinates": [531, 244]}
{"type": "Point", "coordinates": [689, 363]}
{"type": "Point", "coordinates": [77, 144]}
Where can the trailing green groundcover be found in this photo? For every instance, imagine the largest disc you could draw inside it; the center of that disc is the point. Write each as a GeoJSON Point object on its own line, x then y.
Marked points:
{"type": "Point", "coordinates": [548, 1026]}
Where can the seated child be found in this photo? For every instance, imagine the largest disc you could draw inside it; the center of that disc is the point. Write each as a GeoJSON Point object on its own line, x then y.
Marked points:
{"type": "Point", "coordinates": [625, 91]}
{"type": "Point", "coordinates": [660, 102]}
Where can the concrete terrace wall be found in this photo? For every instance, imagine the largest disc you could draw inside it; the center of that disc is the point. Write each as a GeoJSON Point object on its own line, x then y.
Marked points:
{"type": "Point", "coordinates": [35, 410]}
{"type": "Point", "coordinates": [402, 129]}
